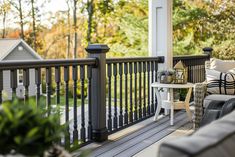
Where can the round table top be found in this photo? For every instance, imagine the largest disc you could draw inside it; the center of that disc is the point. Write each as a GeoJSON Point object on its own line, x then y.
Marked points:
{"type": "Point", "coordinates": [171, 85]}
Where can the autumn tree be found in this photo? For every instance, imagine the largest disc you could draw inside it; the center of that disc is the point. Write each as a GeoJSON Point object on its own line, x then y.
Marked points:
{"type": "Point", "coordinates": [4, 9]}
{"type": "Point", "coordinates": [18, 6]}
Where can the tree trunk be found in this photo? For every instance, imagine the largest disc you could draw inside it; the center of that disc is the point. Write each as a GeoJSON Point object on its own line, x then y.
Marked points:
{"type": "Point", "coordinates": [34, 25]}
{"type": "Point", "coordinates": [4, 24]}
{"type": "Point", "coordinates": [75, 29]}
{"type": "Point", "coordinates": [69, 27]}
{"type": "Point", "coordinates": [90, 10]}
{"type": "Point", "coordinates": [105, 26]}
{"type": "Point", "coordinates": [68, 46]}
{"type": "Point", "coordinates": [21, 20]}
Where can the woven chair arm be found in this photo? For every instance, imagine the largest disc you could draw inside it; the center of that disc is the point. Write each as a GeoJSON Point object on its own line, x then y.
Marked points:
{"type": "Point", "coordinates": [199, 95]}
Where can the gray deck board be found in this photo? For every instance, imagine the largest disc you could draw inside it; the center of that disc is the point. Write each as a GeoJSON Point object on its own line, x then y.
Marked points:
{"type": "Point", "coordinates": [136, 141]}
{"type": "Point", "coordinates": [151, 140]}
{"type": "Point", "coordinates": [113, 144]}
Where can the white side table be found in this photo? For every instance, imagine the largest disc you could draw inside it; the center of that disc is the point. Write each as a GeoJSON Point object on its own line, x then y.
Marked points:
{"type": "Point", "coordinates": [170, 103]}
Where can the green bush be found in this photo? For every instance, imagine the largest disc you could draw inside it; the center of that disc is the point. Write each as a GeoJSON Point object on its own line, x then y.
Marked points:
{"type": "Point", "coordinates": [24, 129]}
{"type": "Point", "coordinates": [78, 89]}
{"type": "Point", "coordinates": [183, 93]}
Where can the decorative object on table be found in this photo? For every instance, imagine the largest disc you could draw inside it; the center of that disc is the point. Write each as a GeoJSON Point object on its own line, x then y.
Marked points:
{"type": "Point", "coordinates": [166, 76]}
{"type": "Point", "coordinates": [181, 73]}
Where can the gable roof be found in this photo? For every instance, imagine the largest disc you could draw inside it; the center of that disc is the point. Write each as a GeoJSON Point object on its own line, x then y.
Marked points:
{"type": "Point", "coordinates": [8, 45]}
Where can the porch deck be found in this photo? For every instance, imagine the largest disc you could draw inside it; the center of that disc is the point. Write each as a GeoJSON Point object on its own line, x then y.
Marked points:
{"type": "Point", "coordinates": [142, 139]}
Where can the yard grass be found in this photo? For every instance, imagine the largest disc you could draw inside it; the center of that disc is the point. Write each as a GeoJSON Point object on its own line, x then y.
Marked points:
{"type": "Point", "coordinates": [53, 100]}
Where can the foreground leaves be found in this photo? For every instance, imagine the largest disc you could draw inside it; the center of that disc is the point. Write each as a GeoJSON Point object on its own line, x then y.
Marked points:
{"type": "Point", "coordinates": [26, 130]}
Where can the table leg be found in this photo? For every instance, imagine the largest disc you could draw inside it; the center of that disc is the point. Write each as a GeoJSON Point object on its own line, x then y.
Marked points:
{"type": "Point", "coordinates": [187, 99]}
{"type": "Point", "coordinates": [159, 104]}
{"type": "Point", "coordinates": [166, 111]}
{"type": "Point", "coordinates": [171, 99]}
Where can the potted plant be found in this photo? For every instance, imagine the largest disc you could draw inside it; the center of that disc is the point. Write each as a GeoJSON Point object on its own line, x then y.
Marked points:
{"type": "Point", "coordinates": [166, 76]}
{"type": "Point", "coordinates": [26, 130]}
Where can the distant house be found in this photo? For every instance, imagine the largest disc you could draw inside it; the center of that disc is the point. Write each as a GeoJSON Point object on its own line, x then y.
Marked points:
{"type": "Point", "coordinates": [15, 50]}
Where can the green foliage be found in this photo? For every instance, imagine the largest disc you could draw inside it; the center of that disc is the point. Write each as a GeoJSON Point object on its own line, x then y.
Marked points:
{"type": "Point", "coordinates": [180, 94]}
{"type": "Point", "coordinates": [199, 24]}
{"type": "Point", "coordinates": [105, 6]}
{"type": "Point", "coordinates": [130, 37]}
{"type": "Point", "coordinates": [26, 130]}
{"type": "Point", "coordinates": [187, 23]}
{"type": "Point", "coordinates": [78, 89]}
{"type": "Point", "coordinates": [225, 50]}
{"type": "Point", "coordinates": [123, 25]}
{"type": "Point", "coordinates": [183, 93]}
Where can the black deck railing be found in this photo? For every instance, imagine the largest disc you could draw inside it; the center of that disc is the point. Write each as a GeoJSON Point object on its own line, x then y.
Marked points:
{"type": "Point", "coordinates": [100, 96]}
{"type": "Point", "coordinates": [129, 98]}
{"type": "Point", "coordinates": [195, 65]}
{"type": "Point", "coordinates": [66, 76]}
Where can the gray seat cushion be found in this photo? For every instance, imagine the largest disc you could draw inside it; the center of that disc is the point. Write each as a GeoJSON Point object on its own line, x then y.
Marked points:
{"type": "Point", "coordinates": [217, 109]}
{"type": "Point", "coordinates": [214, 140]}
{"type": "Point", "coordinates": [216, 97]}
{"type": "Point", "coordinates": [228, 107]}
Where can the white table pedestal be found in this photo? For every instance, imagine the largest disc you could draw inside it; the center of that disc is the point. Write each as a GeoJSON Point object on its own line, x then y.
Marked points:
{"type": "Point", "coordinates": [170, 104]}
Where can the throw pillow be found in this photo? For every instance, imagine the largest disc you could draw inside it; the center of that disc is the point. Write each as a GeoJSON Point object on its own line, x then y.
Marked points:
{"type": "Point", "coordinates": [222, 65]}
{"type": "Point", "coordinates": [228, 107]}
{"type": "Point", "coordinates": [211, 112]}
{"type": "Point", "coordinates": [220, 83]}
{"type": "Point", "coordinates": [217, 109]}
{"type": "Point", "coordinates": [232, 71]}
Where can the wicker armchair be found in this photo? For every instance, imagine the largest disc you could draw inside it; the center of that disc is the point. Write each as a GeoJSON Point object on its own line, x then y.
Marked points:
{"type": "Point", "coordinates": [199, 95]}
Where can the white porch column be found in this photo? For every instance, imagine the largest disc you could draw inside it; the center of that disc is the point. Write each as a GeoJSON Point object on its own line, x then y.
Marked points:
{"type": "Point", "coordinates": [161, 31]}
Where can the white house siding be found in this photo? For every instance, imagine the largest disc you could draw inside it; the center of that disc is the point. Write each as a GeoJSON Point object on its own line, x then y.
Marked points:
{"type": "Point", "coordinates": [32, 86]}
{"type": "Point", "coordinates": [18, 55]}
{"type": "Point", "coordinates": [7, 92]}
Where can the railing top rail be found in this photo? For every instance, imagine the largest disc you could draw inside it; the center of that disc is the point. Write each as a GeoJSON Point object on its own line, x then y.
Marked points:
{"type": "Point", "coordinates": [8, 65]}
{"type": "Point", "coordinates": [159, 59]}
{"type": "Point", "coordinates": [190, 57]}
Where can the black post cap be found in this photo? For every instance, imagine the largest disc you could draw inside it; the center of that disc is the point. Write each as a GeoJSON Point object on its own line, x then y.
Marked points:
{"type": "Point", "coordinates": [208, 49]}
{"type": "Point", "coordinates": [97, 48]}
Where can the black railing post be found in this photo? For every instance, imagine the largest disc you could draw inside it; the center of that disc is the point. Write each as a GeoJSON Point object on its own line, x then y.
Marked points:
{"type": "Point", "coordinates": [26, 84]}
{"type": "Point", "coordinates": [13, 84]}
{"type": "Point", "coordinates": [98, 88]}
{"type": "Point", "coordinates": [1, 85]}
{"type": "Point", "coordinates": [208, 51]}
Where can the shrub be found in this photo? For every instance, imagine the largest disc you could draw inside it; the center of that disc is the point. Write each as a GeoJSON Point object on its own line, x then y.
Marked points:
{"type": "Point", "coordinates": [24, 129]}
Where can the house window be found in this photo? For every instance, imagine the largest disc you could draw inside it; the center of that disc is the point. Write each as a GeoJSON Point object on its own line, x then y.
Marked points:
{"type": "Point", "coordinates": [20, 77]}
